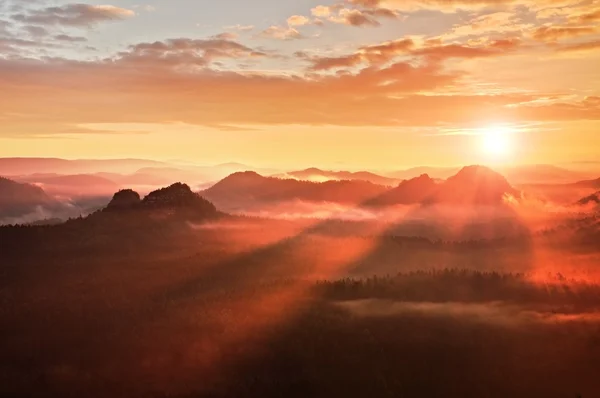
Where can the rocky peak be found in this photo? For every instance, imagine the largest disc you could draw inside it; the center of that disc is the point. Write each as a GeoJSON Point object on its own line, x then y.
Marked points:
{"type": "Point", "coordinates": [124, 199]}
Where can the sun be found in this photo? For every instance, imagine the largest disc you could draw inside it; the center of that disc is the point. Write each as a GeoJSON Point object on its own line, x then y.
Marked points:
{"type": "Point", "coordinates": [496, 141]}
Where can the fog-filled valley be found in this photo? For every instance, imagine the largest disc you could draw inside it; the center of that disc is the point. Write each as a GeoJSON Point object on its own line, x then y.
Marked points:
{"type": "Point", "coordinates": [280, 283]}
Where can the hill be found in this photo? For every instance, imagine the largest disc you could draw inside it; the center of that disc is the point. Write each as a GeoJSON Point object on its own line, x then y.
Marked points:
{"type": "Point", "coordinates": [541, 174]}
{"type": "Point", "coordinates": [593, 198]}
{"type": "Point", "coordinates": [246, 188]}
{"type": "Point", "coordinates": [18, 199]}
{"type": "Point", "coordinates": [411, 191]}
{"type": "Point", "coordinates": [476, 185]}
{"type": "Point", "coordinates": [591, 184]}
{"type": "Point", "coordinates": [23, 166]}
{"type": "Point", "coordinates": [176, 199]}
{"type": "Point", "coordinates": [80, 185]}
{"type": "Point", "coordinates": [318, 175]}
{"type": "Point", "coordinates": [434, 172]}
{"type": "Point", "coordinates": [471, 185]}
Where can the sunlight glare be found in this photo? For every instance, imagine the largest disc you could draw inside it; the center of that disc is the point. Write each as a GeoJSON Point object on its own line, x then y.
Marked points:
{"type": "Point", "coordinates": [496, 140]}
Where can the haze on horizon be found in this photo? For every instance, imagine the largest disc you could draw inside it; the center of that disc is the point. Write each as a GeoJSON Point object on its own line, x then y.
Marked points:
{"type": "Point", "coordinates": [338, 84]}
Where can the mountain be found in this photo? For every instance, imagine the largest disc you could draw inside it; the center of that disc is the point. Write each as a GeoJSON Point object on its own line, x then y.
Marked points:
{"type": "Point", "coordinates": [80, 185]}
{"type": "Point", "coordinates": [593, 198]}
{"type": "Point", "coordinates": [23, 203]}
{"type": "Point", "coordinates": [18, 199]}
{"type": "Point", "coordinates": [175, 199]}
{"type": "Point", "coordinates": [407, 192]}
{"type": "Point", "coordinates": [521, 174]}
{"type": "Point", "coordinates": [561, 193]}
{"type": "Point", "coordinates": [541, 174]}
{"type": "Point", "coordinates": [24, 166]}
{"type": "Point", "coordinates": [318, 175]}
{"type": "Point", "coordinates": [124, 200]}
{"type": "Point", "coordinates": [244, 188]}
{"type": "Point", "coordinates": [434, 172]}
{"type": "Point", "coordinates": [591, 184]}
{"type": "Point", "coordinates": [473, 185]}
{"type": "Point", "coordinates": [156, 176]}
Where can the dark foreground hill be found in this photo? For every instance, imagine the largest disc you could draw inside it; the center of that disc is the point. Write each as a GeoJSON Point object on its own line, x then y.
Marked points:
{"type": "Point", "coordinates": [17, 199]}
{"type": "Point", "coordinates": [127, 222]}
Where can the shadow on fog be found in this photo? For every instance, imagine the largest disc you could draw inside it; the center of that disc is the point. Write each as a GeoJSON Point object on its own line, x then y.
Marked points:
{"type": "Point", "coordinates": [331, 249]}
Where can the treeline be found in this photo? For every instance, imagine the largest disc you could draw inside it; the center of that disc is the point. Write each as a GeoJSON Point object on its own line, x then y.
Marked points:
{"type": "Point", "coordinates": [455, 285]}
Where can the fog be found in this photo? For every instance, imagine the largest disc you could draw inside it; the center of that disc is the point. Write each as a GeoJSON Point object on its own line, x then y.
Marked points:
{"type": "Point", "coordinates": [496, 313]}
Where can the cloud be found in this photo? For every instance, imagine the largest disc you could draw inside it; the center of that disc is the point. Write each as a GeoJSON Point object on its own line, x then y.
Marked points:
{"type": "Point", "coordinates": [454, 6]}
{"type": "Point", "coordinates": [581, 47]}
{"type": "Point", "coordinates": [71, 39]}
{"type": "Point", "coordinates": [74, 15]}
{"type": "Point", "coordinates": [298, 20]}
{"type": "Point", "coordinates": [434, 50]}
{"type": "Point", "coordinates": [496, 22]}
{"type": "Point", "coordinates": [355, 18]}
{"type": "Point", "coordinates": [156, 91]}
{"type": "Point", "coordinates": [592, 16]}
{"type": "Point", "coordinates": [185, 52]}
{"type": "Point", "coordinates": [554, 33]}
{"type": "Point", "coordinates": [37, 31]}
{"type": "Point", "coordinates": [226, 36]}
{"type": "Point", "coordinates": [240, 28]}
{"type": "Point", "coordinates": [404, 82]}
{"type": "Point", "coordinates": [281, 33]}
{"type": "Point", "coordinates": [447, 51]}
{"type": "Point", "coordinates": [321, 11]}
{"type": "Point", "coordinates": [372, 55]}
{"type": "Point", "coordinates": [436, 5]}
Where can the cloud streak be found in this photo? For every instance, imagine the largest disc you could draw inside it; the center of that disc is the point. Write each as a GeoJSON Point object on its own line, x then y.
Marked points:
{"type": "Point", "coordinates": [74, 15]}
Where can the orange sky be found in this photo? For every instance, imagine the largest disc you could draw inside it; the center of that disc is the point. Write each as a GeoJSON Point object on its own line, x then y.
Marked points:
{"type": "Point", "coordinates": [357, 83]}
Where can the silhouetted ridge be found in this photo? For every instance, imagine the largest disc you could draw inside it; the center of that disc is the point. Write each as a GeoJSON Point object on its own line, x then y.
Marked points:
{"type": "Point", "coordinates": [407, 192]}
{"type": "Point", "coordinates": [177, 195]}
{"type": "Point", "coordinates": [474, 185]}
{"type": "Point", "coordinates": [12, 192]}
{"type": "Point", "coordinates": [593, 198]}
{"type": "Point", "coordinates": [313, 173]}
{"type": "Point", "coordinates": [18, 199]}
{"type": "Point", "coordinates": [595, 184]}
{"type": "Point", "coordinates": [175, 199]}
{"type": "Point", "coordinates": [241, 189]}
{"type": "Point", "coordinates": [242, 178]}
{"type": "Point", "coordinates": [124, 199]}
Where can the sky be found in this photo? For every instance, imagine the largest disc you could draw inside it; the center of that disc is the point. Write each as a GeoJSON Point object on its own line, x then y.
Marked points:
{"type": "Point", "coordinates": [348, 84]}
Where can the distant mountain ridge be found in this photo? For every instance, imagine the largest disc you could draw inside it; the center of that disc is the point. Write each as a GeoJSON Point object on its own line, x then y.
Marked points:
{"type": "Point", "coordinates": [18, 199]}
{"type": "Point", "coordinates": [247, 187]}
{"type": "Point", "coordinates": [23, 166]}
{"type": "Point", "coordinates": [318, 175]}
{"type": "Point", "coordinates": [471, 185]}
{"type": "Point", "coordinates": [73, 185]}
{"type": "Point", "coordinates": [12, 193]}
